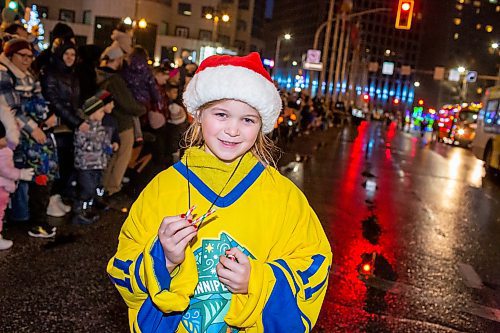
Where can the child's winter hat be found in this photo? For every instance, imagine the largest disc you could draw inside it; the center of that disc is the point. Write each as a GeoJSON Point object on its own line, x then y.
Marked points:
{"type": "Point", "coordinates": [15, 45]}
{"type": "Point", "coordinates": [92, 104]}
{"type": "Point", "coordinates": [240, 78]}
{"type": "Point", "coordinates": [112, 52]}
{"type": "Point", "coordinates": [105, 96]}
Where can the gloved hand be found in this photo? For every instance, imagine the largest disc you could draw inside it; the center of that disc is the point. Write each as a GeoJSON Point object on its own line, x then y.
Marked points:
{"type": "Point", "coordinates": [27, 174]}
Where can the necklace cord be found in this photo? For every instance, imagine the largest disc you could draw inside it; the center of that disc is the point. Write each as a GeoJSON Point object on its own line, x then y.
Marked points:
{"type": "Point", "coordinates": [219, 194]}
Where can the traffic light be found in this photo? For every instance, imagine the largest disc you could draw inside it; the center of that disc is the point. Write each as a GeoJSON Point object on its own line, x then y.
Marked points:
{"type": "Point", "coordinates": [366, 98]}
{"type": "Point", "coordinates": [420, 102]}
{"type": "Point", "coordinates": [396, 101]}
{"type": "Point", "coordinates": [405, 14]}
{"type": "Point", "coordinates": [13, 5]}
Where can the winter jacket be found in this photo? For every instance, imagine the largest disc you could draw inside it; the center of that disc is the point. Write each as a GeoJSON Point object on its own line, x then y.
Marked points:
{"type": "Point", "coordinates": [20, 93]}
{"type": "Point", "coordinates": [61, 89]}
{"type": "Point", "coordinates": [141, 82]}
{"type": "Point", "coordinates": [126, 107]}
{"type": "Point", "coordinates": [93, 148]}
{"type": "Point", "coordinates": [16, 86]}
{"type": "Point", "coordinates": [109, 122]}
{"type": "Point", "coordinates": [8, 172]}
{"type": "Point", "coordinates": [8, 120]}
{"type": "Point", "coordinates": [262, 213]}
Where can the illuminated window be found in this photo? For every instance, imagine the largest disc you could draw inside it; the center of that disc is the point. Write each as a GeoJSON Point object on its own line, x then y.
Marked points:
{"type": "Point", "coordinates": [498, 9]}
{"type": "Point", "coordinates": [489, 28]}
{"type": "Point", "coordinates": [457, 21]}
{"type": "Point", "coordinates": [461, 1]}
{"type": "Point", "coordinates": [477, 3]}
{"type": "Point", "coordinates": [478, 10]}
{"type": "Point", "coordinates": [478, 26]}
{"type": "Point", "coordinates": [455, 36]}
{"type": "Point", "coordinates": [459, 7]}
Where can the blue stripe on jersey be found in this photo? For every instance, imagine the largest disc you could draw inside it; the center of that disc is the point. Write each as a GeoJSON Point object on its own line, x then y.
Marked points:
{"type": "Point", "coordinates": [137, 274]}
{"type": "Point", "coordinates": [210, 195]}
{"type": "Point", "coordinates": [281, 313]}
{"type": "Point", "coordinates": [160, 266]}
{"type": "Point", "coordinates": [318, 259]}
{"type": "Point", "coordinates": [287, 268]}
{"type": "Point", "coordinates": [151, 320]}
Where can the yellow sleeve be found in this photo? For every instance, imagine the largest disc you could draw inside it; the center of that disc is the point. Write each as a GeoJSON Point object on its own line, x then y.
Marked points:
{"type": "Point", "coordinates": [285, 294]}
{"type": "Point", "coordinates": [139, 271]}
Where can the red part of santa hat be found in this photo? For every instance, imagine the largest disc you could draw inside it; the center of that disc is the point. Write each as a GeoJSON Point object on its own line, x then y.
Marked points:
{"type": "Point", "coordinates": [240, 78]}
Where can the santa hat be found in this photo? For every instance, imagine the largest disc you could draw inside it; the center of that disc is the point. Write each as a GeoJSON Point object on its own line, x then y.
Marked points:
{"type": "Point", "coordinates": [239, 78]}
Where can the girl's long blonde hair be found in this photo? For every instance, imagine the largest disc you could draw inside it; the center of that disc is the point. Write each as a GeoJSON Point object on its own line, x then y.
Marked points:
{"type": "Point", "coordinates": [263, 149]}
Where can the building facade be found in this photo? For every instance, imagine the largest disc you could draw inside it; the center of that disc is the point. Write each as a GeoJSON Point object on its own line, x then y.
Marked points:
{"type": "Point", "coordinates": [390, 54]}
{"type": "Point", "coordinates": [366, 39]}
{"type": "Point", "coordinates": [465, 39]}
{"type": "Point", "coordinates": [173, 26]}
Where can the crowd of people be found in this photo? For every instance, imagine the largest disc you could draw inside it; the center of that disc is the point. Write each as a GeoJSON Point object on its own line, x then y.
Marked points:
{"type": "Point", "coordinates": [80, 115]}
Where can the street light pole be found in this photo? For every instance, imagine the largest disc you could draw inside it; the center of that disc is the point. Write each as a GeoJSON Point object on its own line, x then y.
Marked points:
{"type": "Point", "coordinates": [326, 45]}
{"type": "Point", "coordinates": [332, 58]}
{"type": "Point", "coordinates": [276, 55]}
{"type": "Point", "coordinates": [324, 24]}
{"type": "Point", "coordinates": [339, 52]}
{"type": "Point", "coordinates": [215, 28]}
{"type": "Point", "coordinates": [277, 51]}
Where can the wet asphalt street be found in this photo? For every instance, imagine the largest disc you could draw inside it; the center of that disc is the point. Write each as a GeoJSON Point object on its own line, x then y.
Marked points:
{"type": "Point", "coordinates": [414, 228]}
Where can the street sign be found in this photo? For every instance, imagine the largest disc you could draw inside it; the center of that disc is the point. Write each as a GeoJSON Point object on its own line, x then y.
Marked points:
{"type": "Point", "coordinates": [438, 73]}
{"type": "Point", "coordinates": [454, 75]}
{"type": "Point", "coordinates": [373, 66]}
{"type": "Point", "coordinates": [388, 68]}
{"type": "Point", "coordinates": [313, 66]}
{"type": "Point", "coordinates": [313, 56]}
{"type": "Point", "coordinates": [405, 70]}
{"type": "Point", "coordinates": [471, 76]}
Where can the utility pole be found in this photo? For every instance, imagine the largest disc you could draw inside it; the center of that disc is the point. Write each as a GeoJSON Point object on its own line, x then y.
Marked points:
{"type": "Point", "coordinates": [332, 57]}
{"type": "Point", "coordinates": [339, 58]}
{"type": "Point", "coordinates": [326, 45]}
{"type": "Point", "coordinates": [343, 77]}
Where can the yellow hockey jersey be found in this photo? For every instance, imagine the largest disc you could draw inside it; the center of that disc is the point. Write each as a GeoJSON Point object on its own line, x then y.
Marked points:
{"type": "Point", "coordinates": [260, 212]}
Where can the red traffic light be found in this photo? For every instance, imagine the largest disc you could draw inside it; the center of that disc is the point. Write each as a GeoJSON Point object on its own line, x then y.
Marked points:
{"type": "Point", "coordinates": [366, 97]}
{"type": "Point", "coordinates": [404, 14]}
{"type": "Point", "coordinates": [420, 102]}
{"type": "Point", "coordinates": [396, 101]}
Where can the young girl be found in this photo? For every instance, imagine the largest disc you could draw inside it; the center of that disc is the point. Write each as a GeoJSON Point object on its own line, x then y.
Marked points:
{"type": "Point", "coordinates": [221, 242]}
{"type": "Point", "coordinates": [9, 174]}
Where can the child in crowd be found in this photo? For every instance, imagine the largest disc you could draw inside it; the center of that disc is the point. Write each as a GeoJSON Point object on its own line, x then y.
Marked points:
{"type": "Point", "coordinates": [176, 124]}
{"type": "Point", "coordinates": [221, 242]}
{"type": "Point", "coordinates": [93, 148]}
{"type": "Point", "coordinates": [9, 174]}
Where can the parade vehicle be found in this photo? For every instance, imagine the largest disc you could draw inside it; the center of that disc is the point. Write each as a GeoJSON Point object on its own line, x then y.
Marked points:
{"type": "Point", "coordinates": [464, 126]}
{"type": "Point", "coordinates": [486, 143]}
{"type": "Point", "coordinates": [445, 118]}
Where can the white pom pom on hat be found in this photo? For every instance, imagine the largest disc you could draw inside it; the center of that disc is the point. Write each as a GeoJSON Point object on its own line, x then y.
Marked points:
{"type": "Point", "coordinates": [239, 78]}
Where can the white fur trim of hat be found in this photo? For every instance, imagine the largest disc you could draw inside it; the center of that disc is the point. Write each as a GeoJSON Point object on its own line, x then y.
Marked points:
{"type": "Point", "coordinates": [239, 78]}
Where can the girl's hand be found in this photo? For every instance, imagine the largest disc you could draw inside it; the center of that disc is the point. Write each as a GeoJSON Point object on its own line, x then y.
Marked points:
{"type": "Point", "coordinates": [234, 272]}
{"type": "Point", "coordinates": [175, 233]}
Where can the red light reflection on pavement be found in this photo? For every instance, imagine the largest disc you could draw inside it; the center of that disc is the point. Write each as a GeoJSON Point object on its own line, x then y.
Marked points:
{"type": "Point", "coordinates": [343, 308]}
